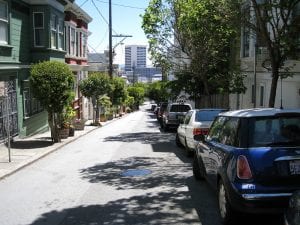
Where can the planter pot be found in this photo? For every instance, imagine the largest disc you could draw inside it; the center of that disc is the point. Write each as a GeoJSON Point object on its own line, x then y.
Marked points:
{"type": "Point", "coordinates": [71, 131]}
{"type": "Point", "coordinates": [79, 126]}
{"type": "Point", "coordinates": [64, 133]}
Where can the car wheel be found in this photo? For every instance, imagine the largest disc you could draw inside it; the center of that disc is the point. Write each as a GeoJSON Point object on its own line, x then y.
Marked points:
{"type": "Point", "coordinates": [227, 214]}
{"type": "Point", "coordinates": [178, 143]}
{"type": "Point", "coordinates": [165, 127]}
{"type": "Point", "coordinates": [198, 170]}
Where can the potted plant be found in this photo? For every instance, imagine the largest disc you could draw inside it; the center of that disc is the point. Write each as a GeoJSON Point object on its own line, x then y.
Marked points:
{"type": "Point", "coordinates": [79, 124]}
{"type": "Point", "coordinates": [65, 125]}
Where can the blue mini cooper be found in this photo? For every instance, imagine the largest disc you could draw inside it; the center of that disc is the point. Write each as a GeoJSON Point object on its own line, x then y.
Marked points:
{"type": "Point", "coordinates": [252, 158]}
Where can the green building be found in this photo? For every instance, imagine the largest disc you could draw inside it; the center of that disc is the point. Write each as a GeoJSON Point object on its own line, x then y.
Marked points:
{"type": "Point", "coordinates": [30, 31]}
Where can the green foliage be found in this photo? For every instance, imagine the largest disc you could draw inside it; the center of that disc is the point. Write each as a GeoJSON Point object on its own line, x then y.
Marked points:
{"type": "Point", "coordinates": [206, 32]}
{"type": "Point", "coordinates": [119, 92]}
{"type": "Point", "coordinates": [95, 85]}
{"type": "Point", "coordinates": [52, 84]}
{"type": "Point", "coordinates": [137, 93]}
{"type": "Point", "coordinates": [158, 91]}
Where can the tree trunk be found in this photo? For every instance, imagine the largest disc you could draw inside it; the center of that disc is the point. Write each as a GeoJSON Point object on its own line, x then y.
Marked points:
{"type": "Point", "coordinates": [275, 76]}
{"type": "Point", "coordinates": [52, 121]}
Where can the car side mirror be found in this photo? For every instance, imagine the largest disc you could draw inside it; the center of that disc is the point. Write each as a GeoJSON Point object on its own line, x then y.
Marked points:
{"type": "Point", "coordinates": [199, 137]}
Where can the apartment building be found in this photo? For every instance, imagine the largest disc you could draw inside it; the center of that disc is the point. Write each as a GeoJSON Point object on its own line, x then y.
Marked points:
{"type": "Point", "coordinates": [135, 57]}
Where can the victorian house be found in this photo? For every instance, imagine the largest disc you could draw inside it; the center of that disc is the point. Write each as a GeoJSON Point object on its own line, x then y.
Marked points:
{"type": "Point", "coordinates": [32, 31]}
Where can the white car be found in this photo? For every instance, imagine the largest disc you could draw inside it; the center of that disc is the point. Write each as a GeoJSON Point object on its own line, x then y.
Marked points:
{"type": "Point", "coordinates": [195, 122]}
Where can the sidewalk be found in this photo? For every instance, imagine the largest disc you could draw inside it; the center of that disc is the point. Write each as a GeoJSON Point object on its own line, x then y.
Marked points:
{"type": "Point", "coordinates": [28, 150]}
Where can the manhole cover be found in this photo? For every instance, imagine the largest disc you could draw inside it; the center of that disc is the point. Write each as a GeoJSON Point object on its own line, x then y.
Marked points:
{"type": "Point", "coordinates": [135, 172]}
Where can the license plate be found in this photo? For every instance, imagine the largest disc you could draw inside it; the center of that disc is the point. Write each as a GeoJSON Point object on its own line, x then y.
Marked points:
{"type": "Point", "coordinates": [295, 167]}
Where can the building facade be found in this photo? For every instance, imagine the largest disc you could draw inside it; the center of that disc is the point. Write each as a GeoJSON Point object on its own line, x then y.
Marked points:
{"type": "Point", "coordinates": [258, 78]}
{"type": "Point", "coordinates": [76, 36]}
{"type": "Point", "coordinates": [135, 57]}
{"type": "Point", "coordinates": [31, 31]}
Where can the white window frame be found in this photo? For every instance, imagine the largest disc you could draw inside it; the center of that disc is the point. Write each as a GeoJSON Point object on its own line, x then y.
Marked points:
{"type": "Point", "coordinates": [72, 51]}
{"type": "Point", "coordinates": [38, 28]}
{"type": "Point", "coordinates": [5, 21]}
{"type": "Point", "coordinates": [54, 31]}
{"type": "Point", "coordinates": [60, 43]}
{"type": "Point", "coordinates": [84, 44]}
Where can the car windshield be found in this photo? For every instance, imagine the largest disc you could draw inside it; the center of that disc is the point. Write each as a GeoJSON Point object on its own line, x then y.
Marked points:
{"type": "Point", "coordinates": [274, 131]}
{"type": "Point", "coordinates": [180, 108]}
{"type": "Point", "coordinates": [208, 115]}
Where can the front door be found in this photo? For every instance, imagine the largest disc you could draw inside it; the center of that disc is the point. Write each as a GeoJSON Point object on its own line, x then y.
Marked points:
{"type": "Point", "coordinates": [8, 109]}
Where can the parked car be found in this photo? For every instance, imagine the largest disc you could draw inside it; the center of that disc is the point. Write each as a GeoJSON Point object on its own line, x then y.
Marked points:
{"type": "Point", "coordinates": [173, 114]}
{"type": "Point", "coordinates": [195, 122]}
{"type": "Point", "coordinates": [252, 158]}
{"type": "Point", "coordinates": [162, 109]}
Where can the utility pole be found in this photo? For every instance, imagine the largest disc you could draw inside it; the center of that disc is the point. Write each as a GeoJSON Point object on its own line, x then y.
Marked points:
{"type": "Point", "coordinates": [110, 43]}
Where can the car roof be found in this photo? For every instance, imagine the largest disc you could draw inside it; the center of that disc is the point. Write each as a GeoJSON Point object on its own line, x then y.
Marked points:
{"type": "Point", "coordinates": [256, 112]}
{"type": "Point", "coordinates": [210, 109]}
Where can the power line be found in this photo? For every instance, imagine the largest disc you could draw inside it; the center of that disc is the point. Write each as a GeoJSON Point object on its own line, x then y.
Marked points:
{"type": "Point", "coordinates": [102, 15]}
{"type": "Point", "coordinates": [126, 6]}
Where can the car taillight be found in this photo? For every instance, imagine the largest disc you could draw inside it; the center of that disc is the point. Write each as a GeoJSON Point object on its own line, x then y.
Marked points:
{"type": "Point", "coordinates": [200, 131]}
{"type": "Point", "coordinates": [243, 168]}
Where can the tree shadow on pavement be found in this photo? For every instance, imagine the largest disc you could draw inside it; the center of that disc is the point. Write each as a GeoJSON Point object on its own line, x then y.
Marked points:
{"type": "Point", "coordinates": [142, 137]}
{"type": "Point", "coordinates": [163, 173]}
{"type": "Point", "coordinates": [172, 207]}
{"type": "Point", "coordinates": [31, 144]}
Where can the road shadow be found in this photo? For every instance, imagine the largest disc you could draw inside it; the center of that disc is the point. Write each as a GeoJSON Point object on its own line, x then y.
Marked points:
{"type": "Point", "coordinates": [142, 137]}
{"type": "Point", "coordinates": [31, 144]}
{"type": "Point", "coordinates": [171, 207]}
{"type": "Point", "coordinates": [163, 172]}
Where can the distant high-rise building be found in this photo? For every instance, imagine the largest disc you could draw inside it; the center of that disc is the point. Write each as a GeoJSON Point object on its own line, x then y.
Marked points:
{"type": "Point", "coordinates": [135, 57]}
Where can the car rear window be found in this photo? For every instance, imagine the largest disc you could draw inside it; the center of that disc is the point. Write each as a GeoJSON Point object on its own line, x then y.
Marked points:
{"type": "Point", "coordinates": [275, 131]}
{"type": "Point", "coordinates": [208, 115]}
{"type": "Point", "coordinates": [180, 108]}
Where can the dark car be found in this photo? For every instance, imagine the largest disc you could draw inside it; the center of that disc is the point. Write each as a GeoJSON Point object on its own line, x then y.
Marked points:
{"type": "Point", "coordinates": [174, 113]}
{"type": "Point", "coordinates": [162, 108]}
{"type": "Point", "coordinates": [252, 158]}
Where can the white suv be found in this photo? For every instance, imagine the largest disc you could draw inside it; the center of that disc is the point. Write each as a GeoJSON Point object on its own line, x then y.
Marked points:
{"type": "Point", "coordinates": [174, 113]}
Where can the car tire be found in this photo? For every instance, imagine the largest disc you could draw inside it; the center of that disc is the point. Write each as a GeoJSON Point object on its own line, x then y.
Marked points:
{"type": "Point", "coordinates": [178, 143]}
{"type": "Point", "coordinates": [198, 170]}
{"type": "Point", "coordinates": [227, 214]}
{"type": "Point", "coordinates": [165, 127]}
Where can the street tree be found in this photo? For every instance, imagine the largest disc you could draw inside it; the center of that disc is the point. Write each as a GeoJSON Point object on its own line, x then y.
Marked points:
{"type": "Point", "coordinates": [276, 25]}
{"type": "Point", "coordinates": [119, 92]}
{"type": "Point", "coordinates": [197, 39]}
{"type": "Point", "coordinates": [158, 91]}
{"type": "Point", "coordinates": [137, 93]}
{"type": "Point", "coordinates": [96, 85]}
{"type": "Point", "coordinates": [52, 84]}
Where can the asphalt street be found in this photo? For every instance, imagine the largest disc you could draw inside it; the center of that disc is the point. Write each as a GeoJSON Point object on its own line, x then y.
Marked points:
{"type": "Point", "coordinates": [128, 172]}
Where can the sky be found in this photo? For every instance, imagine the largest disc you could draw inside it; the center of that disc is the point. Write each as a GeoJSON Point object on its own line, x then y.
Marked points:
{"type": "Point", "coordinates": [126, 20]}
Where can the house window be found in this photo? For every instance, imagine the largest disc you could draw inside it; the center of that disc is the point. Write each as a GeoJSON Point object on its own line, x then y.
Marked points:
{"type": "Point", "coordinates": [73, 42]}
{"type": "Point", "coordinates": [262, 95]}
{"type": "Point", "coordinates": [53, 23]}
{"type": "Point", "coordinates": [38, 27]}
{"type": "Point", "coordinates": [84, 45]}
{"type": "Point", "coordinates": [3, 22]}
{"type": "Point", "coordinates": [31, 105]}
{"type": "Point", "coordinates": [61, 34]}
